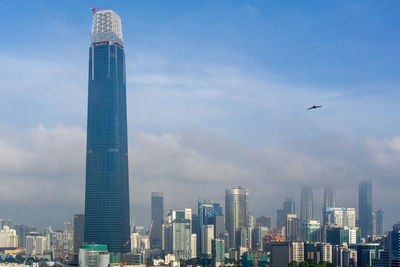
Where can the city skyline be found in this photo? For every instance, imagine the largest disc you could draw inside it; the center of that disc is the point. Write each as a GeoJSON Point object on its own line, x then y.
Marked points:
{"type": "Point", "coordinates": [202, 119]}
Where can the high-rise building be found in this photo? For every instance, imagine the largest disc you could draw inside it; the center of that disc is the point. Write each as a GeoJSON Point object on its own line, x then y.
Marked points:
{"type": "Point", "coordinates": [207, 235]}
{"type": "Point", "coordinates": [209, 213]}
{"type": "Point", "coordinates": [288, 207]}
{"type": "Point", "coordinates": [339, 216]}
{"type": "Point", "coordinates": [181, 236]}
{"type": "Point", "coordinates": [306, 204]}
{"type": "Point", "coordinates": [79, 225]}
{"type": "Point", "coordinates": [22, 231]}
{"type": "Point", "coordinates": [107, 219]}
{"type": "Point", "coordinates": [365, 208]}
{"type": "Point", "coordinates": [292, 228]}
{"type": "Point", "coordinates": [394, 246]}
{"type": "Point", "coordinates": [263, 221]}
{"type": "Point", "coordinates": [236, 212]}
{"type": "Point", "coordinates": [218, 251]}
{"type": "Point", "coordinates": [157, 215]}
{"type": "Point", "coordinates": [380, 230]}
{"type": "Point", "coordinates": [329, 198]}
{"type": "Point", "coordinates": [283, 253]}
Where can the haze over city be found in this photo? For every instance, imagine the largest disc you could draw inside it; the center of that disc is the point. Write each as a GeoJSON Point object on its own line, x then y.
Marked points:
{"type": "Point", "coordinates": [217, 96]}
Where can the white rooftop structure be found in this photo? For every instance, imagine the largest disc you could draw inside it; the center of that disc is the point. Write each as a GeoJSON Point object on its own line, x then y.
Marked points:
{"type": "Point", "coordinates": [106, 27]}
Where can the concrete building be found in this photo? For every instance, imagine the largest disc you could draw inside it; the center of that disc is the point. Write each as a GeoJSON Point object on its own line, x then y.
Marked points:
{"type": "Point", "coordinates": [8, 237]}
{"type": "Point", "coordinates": [293, 229]}
{"type": "Point", "coordinates": [379, 222]}
{"type": "Point", "coordinates": [207, 235]}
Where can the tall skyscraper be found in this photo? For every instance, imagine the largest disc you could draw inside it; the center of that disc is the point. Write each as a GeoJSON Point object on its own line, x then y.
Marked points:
{"type": "Point", "coordinates": [157, 215]}
{"type": "Point", "coordinates": [107, 219]}
{"type": "Point", "coordinates": [329, 198]}
{"type": "Point", "coordinates": [236, 212]}
{"type": "Point", "coordinates": [380, 230]}
{"type": "Point", "coordinates": [365, 208]}
{"type": "Point", "coordinates": [306, 204]}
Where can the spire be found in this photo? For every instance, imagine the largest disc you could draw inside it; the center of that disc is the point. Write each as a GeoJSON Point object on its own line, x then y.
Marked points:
{"type": "Point", "coordinates": [106, 27]}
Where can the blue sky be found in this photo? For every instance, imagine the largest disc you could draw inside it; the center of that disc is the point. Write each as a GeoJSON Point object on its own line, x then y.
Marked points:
{"type": "Point", "coordinates": [217, 89]}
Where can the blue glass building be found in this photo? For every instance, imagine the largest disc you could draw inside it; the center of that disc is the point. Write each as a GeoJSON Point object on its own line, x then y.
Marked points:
{"type": "Point", "coordinates": [107, 219]}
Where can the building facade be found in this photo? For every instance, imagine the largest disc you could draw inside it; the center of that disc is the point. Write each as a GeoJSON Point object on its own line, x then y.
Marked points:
{"type": "Point", "coordinates": [107, 219]}
{"type": "Point", "coordinates": [365, 208]}
{"type": "Point", "coordinates": [307, 206]}
{"type": "Point", "coordinates": [236, 212]}
{"type": "Point", "coordinates": [157, 215]}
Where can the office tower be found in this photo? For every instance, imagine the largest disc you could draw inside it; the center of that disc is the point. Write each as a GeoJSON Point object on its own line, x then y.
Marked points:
{"type": "Point", "coordinates": [22, 231]}
{"type": "Point", "coordinates": [263, 221]}
{"type": "Point", "coordinates": [292, 228]}
{"type": "Point", "coordinates": [236, 212]}
{"type": "Point", "coordinates": [394, 245]}
{"type": "Point", "coordinates": [79, 225]}
{"type": "Point", "coordinates": [259, 233]}
{"type": "Point", "coordinates": [329, 198]}
{"type": "Point", "coordinates": [193, 246]}
{"type": "Point", "coordinates": [157, 215]}
{"type": "Point", "coordinates": [107, 219]}
{"type": "Point", "coordinates": [340, 216]}
{"type": "Point", "coordinates": [218, 252]}
{"type": "Point", "coordinates": [283, 253]}
{"type": "Point", "coordinates": [280, 218]}
{"type": "Point", "coordinates": [365, 208]}
{"type": "Point", "coordinates": [181, 236]}
{"type": "Point", "coordinates": [289, 207]}
{"type": "Point", "coordinates": [336, 235]}
{"type": "Point", "coordinates": [209, 213]}
{"type": "Point", "coordinates": [312, 232]}
{"type": "Point", "coordinates": [379, 222]}
{"type": "Point", "coordinates": [207, 234]}
{"type": "Point", "coordinates": [306, 204]}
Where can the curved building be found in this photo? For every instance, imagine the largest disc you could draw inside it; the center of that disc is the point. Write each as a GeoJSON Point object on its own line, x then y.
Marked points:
{"type": "Point", "coordinates": [107, 218]}
{"type": "Point", "coordinates": [236, 213]}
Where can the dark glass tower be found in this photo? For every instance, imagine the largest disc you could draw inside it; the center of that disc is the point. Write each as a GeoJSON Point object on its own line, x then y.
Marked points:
{"type": "Point", "coordinates": [365, 208]}
{"type": "Point", "coordinates": [107, 218]}
{"type": "Point", "coordinates": [157, 216]}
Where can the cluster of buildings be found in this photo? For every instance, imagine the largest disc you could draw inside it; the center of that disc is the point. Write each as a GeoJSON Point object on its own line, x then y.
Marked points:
{"type": "Point", "coordinates": [213, 234]}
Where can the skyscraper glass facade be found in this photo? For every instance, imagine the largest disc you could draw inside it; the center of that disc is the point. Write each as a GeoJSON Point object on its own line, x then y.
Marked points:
{"type": "Point", "coordinates": [365, 208]}
{"type": "Point", "coordinates": [107, 218]}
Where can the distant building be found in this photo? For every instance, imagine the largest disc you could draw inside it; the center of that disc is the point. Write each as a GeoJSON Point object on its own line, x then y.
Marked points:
{"type": "Point", "coordinates": [286, 252]}
{"type": "Point", "coordinates": [263, 221]}
{"type": "Point", "coordinates": [236, 212]}
{"type": "Point", "coordinates": [207, 235]}
{"type": "Point", "coordinates": [293, 229]}
{"type": "Point", "coordinates": [8, 237]}
{"type": "Point", "coordinates": [157, 216]}
{"type": "Point", "coordinates": [93, 255]}
{"type": "Point", "coordinates": [307, 204]}
{"type": "Point", "coordinates": [270, 239]}
{"type": "Point", "coordinates": [22, 231]}
{"type": "Point", "coordinates": [289, 207]}
{"type": "Point", "coordinates": [218, 251]}
{"type": "Point", "coordinates": [343, 217]}
{"type": "Point", "coordinates": [312, 231]}
{"type": "Point", "coordinates": [379, 222]}
{"type": "Point", "coordinates": [394, 246]}
{"type": "Point", "coordinates": [365, 208]}
{"type": "Point", "coordinates": [259, 233]}
{"type": "Point", "coordinates": [339, 235]}
{"type": "Point", "coordinates": [329, 198]}
{"type": "Point", "coordinates": [79, 225]}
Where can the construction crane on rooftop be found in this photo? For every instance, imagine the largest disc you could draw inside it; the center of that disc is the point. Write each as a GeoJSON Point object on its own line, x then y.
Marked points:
{"type": "Point", "coordinates": [94, 10]}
